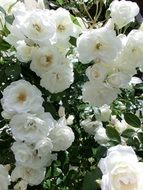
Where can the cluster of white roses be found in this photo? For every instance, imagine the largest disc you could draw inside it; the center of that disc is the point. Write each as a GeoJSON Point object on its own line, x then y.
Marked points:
{"type": "Point", "coordinates": [42, 36]}
{"type": "Point", "coordinates": [96, 128]}
{"type": "Point", "coordinates": [115, 56]}
{"type": "Point", "coordinates": [36, 133]}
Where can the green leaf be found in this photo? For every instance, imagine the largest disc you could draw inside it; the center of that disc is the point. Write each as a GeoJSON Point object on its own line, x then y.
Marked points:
{"type": "Point", "coordinates": [132, 120]}
{"type": "Point", "coordinates": [4, 45]}
{"type": "Point", "coordinates": [90, 180]}
{"type": "Point", "coordinates": [9, 18]}
{"type": "Point", "coordinates": [99, 152]}
{"type": "Point", "coordinates": [113, 134]}
{"type": "Point", "coordinates": [74, 19]}
{"type": "Point", "coordinates": [61, 2]}
{"type": "Point", "coordinates": [72, 40]}
{"type": "Point", "coordinates": [140, 136]}
{"type": "Point", "coordinates": [133, 142]}
{"type": "Point", "coordinates": [128, 133]}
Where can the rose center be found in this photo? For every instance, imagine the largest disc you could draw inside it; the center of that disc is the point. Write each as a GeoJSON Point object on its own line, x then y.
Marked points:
{"type": "Point", "coordinates": [127, 186]}
{"type": "Point", "coordinates": [46, 60]}
{"type": "Point", "coordinates": [21, 97]}
{"type": "Point", "coordinates": [98, 46]}
{"type": "Point", "coordinates": [60, 28]}
{"type": "Point", "coordinates": [37, 27]}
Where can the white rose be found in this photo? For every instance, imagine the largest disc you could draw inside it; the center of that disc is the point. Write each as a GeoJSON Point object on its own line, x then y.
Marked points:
{"type": "Point", "coordinates": [29, 175]}
{"type": "Point", "coordinates": [90, 126]}
{"type": "Point", "coordinates": [100, 135]}
{"type": "Point", "coordinates": [98, 44]}
{"type": "Point", "coordinates": [123, 12]}
{"type": "Point", "coordinates": [98, 94]}
{"type": "Point", "coordinates": [27, 155]}
{"type": "Point", "coordinates": [44, 58]}
{"type": "Point", "coordinates": [96, 72]}
{"type": "Point", "coordinates": [132, 53]}
{"type": "Point", "coordinates": [120, 126]}
{"type": "Point", "coordinates": [64, 24]}
{"type": "Point", "coordinates": [21, 97]}
{"type": "Point", "coordinates": [121, 169]}
{"type": "Point", "coordinates": [21, 151]}
{"type": "Point", "coordinates": [28, 128]}
{"type": "Point", "coordinates": [38, 26]}
{"type": "Point", "coordinates": [62, 137]}
{"type": "Point", "coordinates": [58, 78]}
{"type": "Point", "coordinates": [24, 52]}
{"type": "Point", "coordinates": [105, 113]}
{"type": "Point", "coordinates": [44, 147]}
{"type": "Point", "coordinates": [4, 179]}
{"type": "Point", "coordinates": [33, 4]}
{"type": "Point", "coordinates": [118, 79]}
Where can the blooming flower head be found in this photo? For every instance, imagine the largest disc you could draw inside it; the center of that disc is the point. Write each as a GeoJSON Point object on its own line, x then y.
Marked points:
{"type": "Point", "coordinates": [121, 169]}
{"type": "Point", "coordinates": [21, 97]}
{"type": "Point", "coordinates": [98, 44]}
{"type": "Point", "coordinates": [123, 12]}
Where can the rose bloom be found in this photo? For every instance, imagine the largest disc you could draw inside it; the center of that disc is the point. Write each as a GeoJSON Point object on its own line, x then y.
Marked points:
{"type": "Point", "coordinates": [29, 175]}
{"type": "Point", "coordinates": [121, 169]}
{"type": "Point", "coordinates": [98, 93]}
{"type": "Point", "coordinates": [123, 12]}
{"type": "Point", "coordinates": [62, 136]}
{"type": "Point", "coordinates": [98, 44]}
{"type": "Point", "coordinates": [58, 78]}
{"type": "Point", "coordinates": [21, 97]}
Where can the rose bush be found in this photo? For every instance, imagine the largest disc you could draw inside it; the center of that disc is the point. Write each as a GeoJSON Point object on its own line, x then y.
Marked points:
{"type": "Point", "coordinates": [71, 95]}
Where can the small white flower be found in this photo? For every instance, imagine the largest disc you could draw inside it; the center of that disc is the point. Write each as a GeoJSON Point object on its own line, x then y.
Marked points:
{"type": "Point", "coordinates": [90, 126]}
{"type": "Point", "coordinates": [98, 44]}
{"type": "Point", "coordinates": [44, 58]}
{"type": "Point", "coordinates": [105, 112]}
{"type": "Point", "coordinates": [118, 79]}
{"type": "Point", "coordinates": [98, 94]}
{"type": "Point", "coordinates": [121, 169]}
{"type": "Point", "coordinates": [21, 97]}
{"type": "Point", "coordinates": [37, 26]}
{"type": "Point", "coordinates": [27, 155]}
{"type": "Point", "coordinates": [132, 53]}
{"type": "Point", "coordinates": [58, 78]}
{"type": "Point", "coordinates": [70, 119]}
{"type": "Point", "coordinates": [44, 147]}
{"type": "Point", "coordinates": [24, 52]}
{"type": "Point", "coordinates": [64, 24]}
{"type": "Point", "coordinates": [4, 179]}
{"type": "Point", "coordinates": [29, 175]}
{"type": "Point", "coordinates": [123, 12]}
{"type": "Point", "coordinates": [100, 135]}
{"type": "Point", "coordinates": [22, 152]}
{"type": "Point", "coordinates": [96, 72]}
{"type": "Point", "coordinates": [62, 137]}
{"type": "Point", "coordinates": [118, 125]}
{"type": "Point", "coordinates": [33, 4]}
{"type": "Point", "coordinates": [29, 128]}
